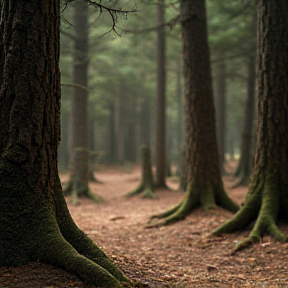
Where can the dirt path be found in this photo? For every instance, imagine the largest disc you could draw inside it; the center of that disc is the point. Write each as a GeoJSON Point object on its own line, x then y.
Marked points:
{"type": "Point", "coordinates": [180, 255]}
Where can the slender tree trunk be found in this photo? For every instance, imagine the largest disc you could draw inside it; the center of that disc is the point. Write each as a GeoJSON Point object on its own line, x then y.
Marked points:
{"type": "Point", "coordinates": [220, 104]}
{"type": "Point", "coordinates": [147, 183]}
{"type": "Point", "coordinates": [180, 120]}
{"type": "Point", "coordinates": [145, 123]}
{"type": "Point", "coordinates": [80, 152]}
{"type": "Point", "coordinates": [120, 128]}
{"type": "Point", "coordinates": [111, 133]}
{"type": "Point", "coordinates": [245, 164]}
{"type": "Point", "coordinates": [130, 141]}
{"type": "Point", "coordinates": [267, 197]}
{"type": "Point", "coordinates": [160, 138]}
{"type": "Point", "coordinates": [35, 224]}
{"type": "Point", "coordinates": [205, 187]}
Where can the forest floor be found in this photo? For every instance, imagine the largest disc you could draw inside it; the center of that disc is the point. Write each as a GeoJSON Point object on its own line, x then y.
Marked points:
{"type": "Point", "coordinates": [181, 255]}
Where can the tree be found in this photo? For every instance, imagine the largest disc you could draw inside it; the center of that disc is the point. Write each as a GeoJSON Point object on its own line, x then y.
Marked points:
{"type": "Point", "coordinates": [160, 143]}
{"type": "Point", "coordinates": [32, 206]}
{"type": "Point", "coordinates": [220, 105]}
{"type": "Point", "coordinates": [245, 164]}
{"type": "Point", "coordinates": [147, 183]}
{"type": "Point", "coordinates": [79, 153]}
{"type": "Point", "coordinates": [205, 185]}
{"type": "Point", "coordinates": [267, 196]}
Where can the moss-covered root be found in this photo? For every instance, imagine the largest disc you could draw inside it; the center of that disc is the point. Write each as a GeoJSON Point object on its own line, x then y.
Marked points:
{"type": "Point", "coordinates": [162, 215]}
{"type": "Point", "coordinates": [81, 242]}
{"type": "Point", "coordinates": [207, 197]}
{"type": "Point", "coordinates": [80, 191]}
{"type": "Point", "coordinates": [242, 218]}
{"type": "Point", "coordinates": [147, 189]}
{"type": "Point", "coordinates": [177, 213]}
{"type": "Point", "coordinates": [266, 207]}
{"type": "Point", "coordinates": [262, 226]}
{"type": "Point", "coordinates": [58, 252]}
{"type": "Point", "coordinates": [136, 191]}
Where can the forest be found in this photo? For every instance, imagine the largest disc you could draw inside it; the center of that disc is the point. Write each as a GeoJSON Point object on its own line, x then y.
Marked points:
{"type": "Point", "coordinates": [143, 143]}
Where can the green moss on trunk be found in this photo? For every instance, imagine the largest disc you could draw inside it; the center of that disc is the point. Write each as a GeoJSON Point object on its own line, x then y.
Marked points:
{"type": "Point", "coordinates": [208, 197]}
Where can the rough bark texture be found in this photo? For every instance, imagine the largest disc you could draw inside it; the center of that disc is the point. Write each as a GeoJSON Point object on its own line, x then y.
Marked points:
{"type": "Point", "coordinates": [267, 197]}
{"type": "Point", "coordinates": [245, 165]}
{"type": "Point", "coordinates": [147, 182]}
{"type": "Point", "coordinates": [79, 154]}
{"type": "Point", "coordinates": [205, 187]}
{"type": "Point", "coordinates": [160, 143]}
{"type": "Point", "coordinates": [35, 224]}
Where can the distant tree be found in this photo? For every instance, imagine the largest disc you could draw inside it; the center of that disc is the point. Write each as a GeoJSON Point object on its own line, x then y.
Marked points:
{"type": "Point", "coordinates": [267, 198]}
{"type": "Point", "coordinates": [220, 105]}
{"type": "Point", "coordinates": [160, 136]}
{"type": "Point", "coordinates": [245, 164]}
{"type": "Point", "coordinates": [79, 149]}
{"type": "Point", "coordinates": [35, 224]}
{"type": "Point", "coordinates": [205, 186]}
{"type": "Point", "coordinates": [147, 183]}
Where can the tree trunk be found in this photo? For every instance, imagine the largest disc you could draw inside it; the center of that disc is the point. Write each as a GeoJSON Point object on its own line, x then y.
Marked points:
{"type": "Point", "coordinates": [80, 152]}
{"type": "Point", "coordinates": [160, 143]}
{"type": "Point", "coordinates": [112, 152]}
{"type": "Point", "coordinates": [145, 121]}
{"type": "Point", "coordinates": [267, 197]}
{"type": "Point", "coordinates": [180, 118]}
{"type": "Point", "coordinates": [120, 122]}
{"type": "Point", "coordinates": [35, 224]}
{"type": "Point", "coordinates": [245, 164]}
{"type": "Point", "coordinates": [64, 146]}
{"type": "Point", "coordinates": [205, 187]}
{"type": "Point", "coordinates": [147, 182]}
{"type": "Point", "coordinates": [220, 103]}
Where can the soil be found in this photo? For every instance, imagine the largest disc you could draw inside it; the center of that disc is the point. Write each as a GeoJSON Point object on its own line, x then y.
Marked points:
{"type": "Point", "coordinates": [181, 255]}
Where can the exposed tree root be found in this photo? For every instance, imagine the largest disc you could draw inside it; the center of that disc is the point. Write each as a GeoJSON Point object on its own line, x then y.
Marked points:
{"type": "Point", "coordinates": [262, 206]}
{"type": "Point", "coordinates": [208, 197]}
{"type": "Point", "coordinates": [49, 235]}
{"type": "Point", "coordinates": [78, 190]}
{"type": "Point", "coordinates": [143, 187]}
{"type": "Point", "coordinates": [147, 183]}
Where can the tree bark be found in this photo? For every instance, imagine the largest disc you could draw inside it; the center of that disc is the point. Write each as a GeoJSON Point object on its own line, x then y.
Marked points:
{"type": "Point", "coordinates": [220, 104]}
{"type": "Point", "coordinates": [160, 138]}
{"type": "Point", "coordinates": [35, 224]}
{"type": "Point", "coordinates": [80, 150]}
{"type": "Point", "coordinates": [267, 197]}
{"type": "Point", "coordinates": [245, 164]}
{"type": "Point", "coordinates": [205, 187]}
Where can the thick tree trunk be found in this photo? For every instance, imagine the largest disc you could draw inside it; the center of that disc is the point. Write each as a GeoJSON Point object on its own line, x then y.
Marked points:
{"type": "Point", "coordinates": [35, 224]}
{"type": "Point", "coordinates": [267, 197]}
{"type": "Point", "coordinates": [205, 187]}
{"type": "Point", "coordinates": [160, 138]}
{"type": "Point", "coordinates": [245, 164]}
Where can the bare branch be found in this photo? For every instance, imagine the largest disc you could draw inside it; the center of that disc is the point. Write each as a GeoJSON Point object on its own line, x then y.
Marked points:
{"type": "Point", "coordinates": [171, 24]}
{"type": "Point", "coordinates": [112, 11]}
{"type": "Point", "coordinates": [75, 86]}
